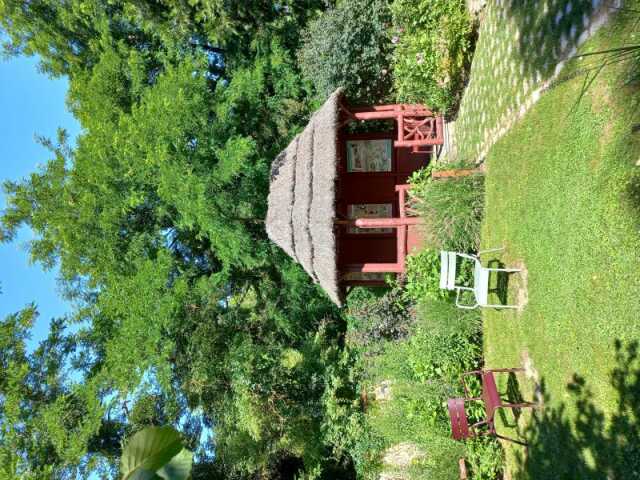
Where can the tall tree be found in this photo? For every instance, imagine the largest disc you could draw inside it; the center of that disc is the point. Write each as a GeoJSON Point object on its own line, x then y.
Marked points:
{"type": "Point", "coordinates": [187, 313]}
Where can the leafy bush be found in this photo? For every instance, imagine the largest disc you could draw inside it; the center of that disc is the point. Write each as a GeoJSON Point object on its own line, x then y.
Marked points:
{"type": "Point", "coordinates": [445, 319]}
{"type": "Point", "coordinates": [433, 44]}
{"type": "Point", "coordinates": [485, 458]}
{"type": "Point", "coordinates": [349, 46]}
{"type": "Point", "coordinates": [423, 276]}
{"type": "Point", "coordinates": [376, 316]}
{"type": "Point", "coordinates": [453, 208]}
{"type": "Point", "coordinates": [434, 355]}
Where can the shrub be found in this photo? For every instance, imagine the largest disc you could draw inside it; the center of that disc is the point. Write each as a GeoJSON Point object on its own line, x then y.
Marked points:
{"type": "Point", "coordinates": [423, 276]}
{"type": "Point", "coordinates": [349, 46]}
{"type": "Point", "coordinates": [376, 316]}
{"type": "Point", "coordinates": [444, 357]}
{"type": "Point", "coordinates": [445, 319]}
{"type": "Point", "coordinates": [433, 44]}
{"type": "Point", "coordinates": [485, 458]}
{"type": "Point", "coordinates": [453, 209]}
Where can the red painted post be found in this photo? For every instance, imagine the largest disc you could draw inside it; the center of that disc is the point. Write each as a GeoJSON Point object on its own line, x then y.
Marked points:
{"type": "Point", "coordinates": [374, 267]}
{"type": "Point", "coordinates": [402, 191]}
{"type": "Point", "coordinates": [401, 246]}
{"type": "Point", "coordinates": [387, 222]}
{"type": "Point", "coordinates": [400, 120]}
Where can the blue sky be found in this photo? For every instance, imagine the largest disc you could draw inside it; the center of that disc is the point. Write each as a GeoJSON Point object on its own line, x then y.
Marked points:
{"type": "Point", "coordinates": [31, 104]}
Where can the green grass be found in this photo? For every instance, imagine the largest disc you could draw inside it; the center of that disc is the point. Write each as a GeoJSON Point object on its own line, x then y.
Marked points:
{"type": "Point", "coordinates": [519, 45]}
{"type": "Point", "coordinates": [563, 196]}
{"type": "Point", "coordinates": [420, 372]}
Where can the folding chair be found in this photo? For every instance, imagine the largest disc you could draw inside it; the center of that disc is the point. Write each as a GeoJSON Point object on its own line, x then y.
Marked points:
{"type": "Point", "coordinates": [480, 289]}
{"type": "Point", "coordinates": [490, 397]}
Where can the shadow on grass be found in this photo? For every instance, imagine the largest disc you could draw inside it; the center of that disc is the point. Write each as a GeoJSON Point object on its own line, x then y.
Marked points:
{"type": "Point", "coordinates": [509, 417]}
{"type": "Point", "coordinates": [548, 33]}
{"type": "Point", "coordinates": [632, 194]}
{"type": "Point", "coordinates": [499, 281]}
{"type": "Point", "coordinates": [552, 34]}
{"type": "Point", "coordinates": [587, 445]}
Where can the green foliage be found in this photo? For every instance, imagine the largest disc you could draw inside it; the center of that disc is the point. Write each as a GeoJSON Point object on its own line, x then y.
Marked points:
{"type": "Point", "coordinates": [349, 46]}
{"type": "Point", "coordinates": [432, 52]}
{"type": "Point", "coordinates": [375, 316]}
{"type": "Point", "coordinates": [485, 458]}
{"type": "Point", "coordinates": [155, 453]}
{"type": "Point", "coordinates": [432, 353]}
{"type": "Point", "coordinates": [421, 371]}
{"type": "Point", "coordinates": [49, 424]}
{"type": "Point", "coordinates": [444, 356]}
{"type": "Point", "coordinates": [454, 209]}
{"type": "Point", "coordinates": [155, 219]}
{"type": "Point", "coordinates": [14, 363]}
{"type": "Point", "coordinates": [445, 319]}
{"type": "Point", "coordinates": [415, 415]}
{"type": "Point", "coordinates": [423, 277]}
{"type": "Point", "coordinates": [70, 37]}
{"type": "Point", "coordinates": [344, 424]}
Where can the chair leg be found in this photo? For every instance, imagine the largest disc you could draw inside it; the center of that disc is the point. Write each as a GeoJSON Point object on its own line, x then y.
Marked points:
{"type": "Point", "coordinates": [508, 270]}
{"type": "Point", "coordinates": [524, 444]}
{"type": "Point", "coordinates": [520, 405]}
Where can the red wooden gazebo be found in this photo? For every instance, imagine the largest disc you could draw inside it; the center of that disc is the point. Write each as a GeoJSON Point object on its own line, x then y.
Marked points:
{"type": "Point", "coordinates": [337, 201]}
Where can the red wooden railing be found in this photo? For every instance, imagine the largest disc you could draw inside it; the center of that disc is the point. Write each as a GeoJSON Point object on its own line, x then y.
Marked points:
{"type": "Point", "coordinates": [401, 225]}
{"type": "Point", "coordinates": [417, 126]}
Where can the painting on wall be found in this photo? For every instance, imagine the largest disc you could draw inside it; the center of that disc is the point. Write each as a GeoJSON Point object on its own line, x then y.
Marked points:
{"type": "Point", "coordinates": [370, 210]}
{"type": "Point", "coordinates": [369, 155]}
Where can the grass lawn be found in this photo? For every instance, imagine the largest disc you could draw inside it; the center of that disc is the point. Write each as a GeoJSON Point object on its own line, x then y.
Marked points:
{"type": "Point", "coordinates": [563, 197]}
{"type": "Point", "coordinates": [519, 47]}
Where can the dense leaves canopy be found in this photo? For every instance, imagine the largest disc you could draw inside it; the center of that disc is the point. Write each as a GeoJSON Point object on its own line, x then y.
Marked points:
{"type": "Point", "coordinates": [186, 313]}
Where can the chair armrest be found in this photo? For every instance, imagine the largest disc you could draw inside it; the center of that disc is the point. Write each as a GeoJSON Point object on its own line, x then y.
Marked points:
{"type": "Point", "coordinates": [473, 258]}
{"type": "Point", "coordinates": [482, 252]}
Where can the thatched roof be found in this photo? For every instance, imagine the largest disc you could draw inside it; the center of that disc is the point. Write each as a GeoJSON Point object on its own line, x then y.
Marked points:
{"type": "Point", "coordinates": [302, 198]}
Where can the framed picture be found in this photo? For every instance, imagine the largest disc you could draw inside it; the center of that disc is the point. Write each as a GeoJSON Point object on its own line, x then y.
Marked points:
{"type": "Point", "coordinates": [370, 210]}
{"type": "Point", "coordinates": [369, 155]}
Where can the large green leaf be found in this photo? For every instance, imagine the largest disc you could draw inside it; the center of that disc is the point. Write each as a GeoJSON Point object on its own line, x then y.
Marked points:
{"type": "Point", "coordinates": [179, 468]}
{"type": "Point", "coordinates": [148, 451]}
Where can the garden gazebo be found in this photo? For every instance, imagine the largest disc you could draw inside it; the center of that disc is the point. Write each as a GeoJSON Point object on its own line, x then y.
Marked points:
{"type": "Point", "coordinates": [337, 199]}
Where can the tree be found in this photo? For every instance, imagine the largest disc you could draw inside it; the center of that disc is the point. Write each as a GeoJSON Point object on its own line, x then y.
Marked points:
{"type": "Point", "coordinates": [187, 315]}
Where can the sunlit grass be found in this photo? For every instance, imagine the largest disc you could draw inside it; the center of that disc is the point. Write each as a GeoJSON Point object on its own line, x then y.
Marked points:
{"type": "Point", "coordinates": [562, 196]}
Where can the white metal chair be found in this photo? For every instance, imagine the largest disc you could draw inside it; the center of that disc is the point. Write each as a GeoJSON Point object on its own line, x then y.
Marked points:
{"type": "Point", "coordinates": [480, 289]}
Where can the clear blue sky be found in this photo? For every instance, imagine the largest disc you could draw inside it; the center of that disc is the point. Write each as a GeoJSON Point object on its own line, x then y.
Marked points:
{"type": "Point", "coordinates": [31, 104]}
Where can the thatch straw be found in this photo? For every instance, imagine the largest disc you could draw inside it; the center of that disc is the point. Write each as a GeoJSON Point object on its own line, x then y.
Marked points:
{"type": "Point", "coordinates": [301, 211]}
